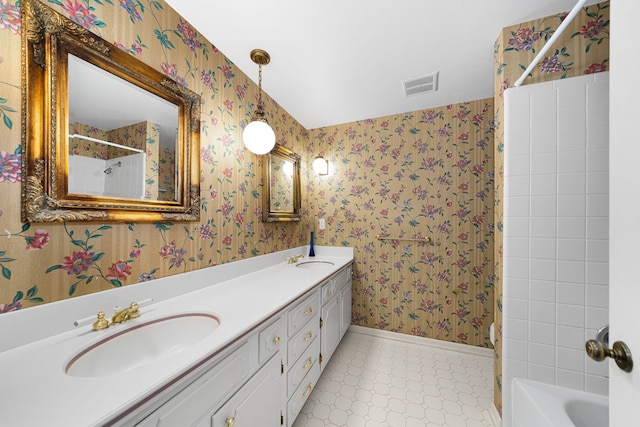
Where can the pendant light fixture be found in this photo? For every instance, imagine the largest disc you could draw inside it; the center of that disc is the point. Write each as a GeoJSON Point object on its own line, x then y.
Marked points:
{"type": "Point", "coordinates": [258, 136]}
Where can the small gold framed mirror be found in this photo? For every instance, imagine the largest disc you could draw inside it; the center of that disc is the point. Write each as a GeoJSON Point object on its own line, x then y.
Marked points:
{"type": "Point", "coordinates": [106, 137]}
{"type": "Point", "coordinates": [281, 182]}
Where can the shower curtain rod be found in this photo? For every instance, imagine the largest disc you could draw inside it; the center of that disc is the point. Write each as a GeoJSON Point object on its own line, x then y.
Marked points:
{"type": "Point", "coordinates": [100, 141]}
{"type": "Point", "coordinates": [406, 239]}
{"type": "Point", "coordinates": [567, 20]}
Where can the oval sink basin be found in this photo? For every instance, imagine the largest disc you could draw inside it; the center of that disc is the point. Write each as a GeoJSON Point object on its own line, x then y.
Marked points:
{"type": "Point", "coordinates": [315, 265]}
{"type": "Point", "coordinates": [133, 347]}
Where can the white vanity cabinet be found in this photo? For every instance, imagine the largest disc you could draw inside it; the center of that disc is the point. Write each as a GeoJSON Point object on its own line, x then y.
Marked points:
{"type": "Point", "coordinates": [336, 313]}
{"type": "Point", "coordinates": [265, 377]}
{"type": "Point", "coordinates": [257, 365]}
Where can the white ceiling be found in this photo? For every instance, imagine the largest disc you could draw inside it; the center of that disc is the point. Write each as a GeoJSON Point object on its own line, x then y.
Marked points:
{"type": "Point", "coordinates": [338, 61]}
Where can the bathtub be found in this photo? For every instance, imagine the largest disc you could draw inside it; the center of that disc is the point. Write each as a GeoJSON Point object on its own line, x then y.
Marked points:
{"type": "Point", "coordinates": [539, 405]}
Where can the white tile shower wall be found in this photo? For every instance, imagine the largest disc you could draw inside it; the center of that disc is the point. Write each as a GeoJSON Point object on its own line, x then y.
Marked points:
{"type": "Point", "coordinates": [555, 232]}
{"type": "Point", "coordinates": [128, 179]}
{"type": "Point", "coordinates": [86, 175]}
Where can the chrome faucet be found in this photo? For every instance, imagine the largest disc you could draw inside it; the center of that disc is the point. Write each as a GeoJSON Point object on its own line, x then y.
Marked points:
{"type": "Point", "coordinates": [294, 259]}
{"type": "Point", "coordinates": [130, 312]}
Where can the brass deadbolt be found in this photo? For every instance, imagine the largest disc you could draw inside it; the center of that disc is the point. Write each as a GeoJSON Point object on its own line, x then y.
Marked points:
{"type": "Point", "coordinates": [620, 353]}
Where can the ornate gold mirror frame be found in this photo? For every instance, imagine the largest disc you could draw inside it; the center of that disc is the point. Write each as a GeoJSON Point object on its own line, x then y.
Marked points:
{"type": "Point", "coordinates": [49, 41]}
{"type": "Point", "coordinates": [281, 185]}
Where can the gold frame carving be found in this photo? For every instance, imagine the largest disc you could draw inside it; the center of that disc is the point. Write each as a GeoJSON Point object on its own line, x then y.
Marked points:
{"type": "Point", "coordinates": [47, 40]}
{"type": "Point", "coordinates": [269, 215]}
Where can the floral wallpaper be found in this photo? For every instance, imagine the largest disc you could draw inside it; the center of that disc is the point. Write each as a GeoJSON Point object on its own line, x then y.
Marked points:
{"type": "Point", "coordinates": [583, 48]}
{"type": "Point", "coordinates": [143, 136]}
{"type": "Point", "coordinates": [426, 174]}
{"type": "Point", "coordinates": [83, 147]}
{"type": "Point", "coordinates": [45, 262]}
{"type": "Point", "coordinates": [165, 172]}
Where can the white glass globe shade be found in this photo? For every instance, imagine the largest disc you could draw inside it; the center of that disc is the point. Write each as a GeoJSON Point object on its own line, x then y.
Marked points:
{"type": "Point", "coordinates": [321, 166]}
{"type": "Point", "coordinates": [258, 137]}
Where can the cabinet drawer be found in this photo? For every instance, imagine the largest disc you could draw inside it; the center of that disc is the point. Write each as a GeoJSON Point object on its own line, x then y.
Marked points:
{"type": "Point", "coordinates": [301, 313]}
{"type": "Point", "coordinates": [342, 277]}
{"type": "Point", "coordinates": [194, 401]}
{"type": "Point", "coordinates": [271, 339]}
{"type": "Point", "coordinates": [303, 366]}
{"type": "Point", "coordinates": [329, 290]}
{"type": "Point", "coordinates": [302, 393]}
{"type": "Point", "coordinates": [299, 343]}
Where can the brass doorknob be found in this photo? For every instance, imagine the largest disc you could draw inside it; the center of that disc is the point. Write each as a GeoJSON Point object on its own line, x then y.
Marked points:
{"type": "Point", "coordinates": [620, 353]}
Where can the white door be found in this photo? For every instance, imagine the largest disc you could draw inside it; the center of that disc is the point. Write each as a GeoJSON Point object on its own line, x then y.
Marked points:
{"type": "Point", "coordinates": [624, 212]}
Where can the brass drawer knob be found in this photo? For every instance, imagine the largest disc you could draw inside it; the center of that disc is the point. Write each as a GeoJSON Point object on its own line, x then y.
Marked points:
{"type": "Point", "coordinates": [307, 392]}
{"type": "Point", "coordinates": [309, 311]}
{"type": "Point", "coordinates": [620, 353]}
{"type": "Point", "coordinates": [276, 340]}
{"type": "Point", "coordinates": [231, 422]}
{"type": "Point", "coordinates": [308, 337]}
{"type": "Point", "coordinates": [307, 364]}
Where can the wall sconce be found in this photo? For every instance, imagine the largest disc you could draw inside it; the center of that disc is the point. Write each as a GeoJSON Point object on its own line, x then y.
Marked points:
{"type": "Point", "coordinates": [258, 136]}
{"type": "Point", "coordinates": [287, 168]}
{"type": "Point", "coordinates": [321, 166]}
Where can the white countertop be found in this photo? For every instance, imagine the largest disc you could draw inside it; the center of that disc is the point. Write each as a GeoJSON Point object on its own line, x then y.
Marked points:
{"type": "Point", "coordinates": [36, 391]}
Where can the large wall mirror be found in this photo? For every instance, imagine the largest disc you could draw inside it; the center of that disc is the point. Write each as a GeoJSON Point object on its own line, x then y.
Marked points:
{"type": "Point", "coordinates": [281, 181]}
{"type": "Point", "coordinates": [105, 136]}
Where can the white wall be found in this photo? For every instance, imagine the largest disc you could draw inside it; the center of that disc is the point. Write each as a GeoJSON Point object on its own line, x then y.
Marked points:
{"type": "Point", "coordinates": [555, 232]}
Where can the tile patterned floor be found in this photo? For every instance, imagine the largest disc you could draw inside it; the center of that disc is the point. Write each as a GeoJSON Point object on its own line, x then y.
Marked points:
{"type": "Point", "coordinates": [373, 381]}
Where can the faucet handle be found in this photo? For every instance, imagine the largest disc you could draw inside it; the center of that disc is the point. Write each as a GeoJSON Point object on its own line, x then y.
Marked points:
{"type": "Point", "coordinates": [134, 310]}
{"type": "Point", "coordinates": [101, 322]}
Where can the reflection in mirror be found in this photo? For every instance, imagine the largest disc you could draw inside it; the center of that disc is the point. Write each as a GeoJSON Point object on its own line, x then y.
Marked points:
{"type": "Point", "coordinates": [281, 175]}
{"type": "Point", "coordinates": [281, 185]}
{"type": "Point", "coordinates": [105, 136]}
{"type": "Point", "coordinates": [113, 122]}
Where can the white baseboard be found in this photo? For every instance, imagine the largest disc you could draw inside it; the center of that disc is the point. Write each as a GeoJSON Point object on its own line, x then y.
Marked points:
{"type": "Point", "coordinates": [445, 345]}
{"type": "Point", "coordinates": [495, 416]}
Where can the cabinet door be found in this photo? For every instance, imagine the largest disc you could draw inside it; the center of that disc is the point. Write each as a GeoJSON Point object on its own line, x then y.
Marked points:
{"type": "Point", "coordinates": [330, 332]}
{"type": "Point", "coordinates": [204, 394]}
{"type": "Point", "coordinates": [257, 403]}
{"type": "Point", "coordinates": [345, 309]}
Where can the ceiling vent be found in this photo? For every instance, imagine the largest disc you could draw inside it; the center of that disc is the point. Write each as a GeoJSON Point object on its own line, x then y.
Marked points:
{"type": "Point", "coordinates": [421, 85]}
